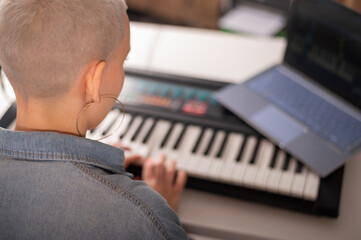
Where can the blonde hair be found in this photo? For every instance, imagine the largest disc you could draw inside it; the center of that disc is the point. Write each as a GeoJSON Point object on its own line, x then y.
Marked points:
{"type": "Point", "coordinates": [45, 44]}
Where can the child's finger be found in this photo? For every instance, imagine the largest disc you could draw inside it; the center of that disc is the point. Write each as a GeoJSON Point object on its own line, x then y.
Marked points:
{"type": "Point", "coordinates": [171, 172]}
{"type": "Point", "coordinates": [126, 148]}
{"type": "Point", "coordinates": [180, 181]}
{"type": "Point", "coordinates": [160, 169]}
{"type": "Point", "coordinates": [148, 169]}
{"type": "Point", "coordinates": [119, 144]}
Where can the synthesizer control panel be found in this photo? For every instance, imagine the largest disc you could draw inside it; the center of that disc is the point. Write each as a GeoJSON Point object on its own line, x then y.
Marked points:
{"type": "Point", "coordinates": [157, 94]}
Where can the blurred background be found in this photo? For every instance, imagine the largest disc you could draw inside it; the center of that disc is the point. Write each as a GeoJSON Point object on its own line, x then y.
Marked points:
{"type": "Point", "coordinates": [219, 14]}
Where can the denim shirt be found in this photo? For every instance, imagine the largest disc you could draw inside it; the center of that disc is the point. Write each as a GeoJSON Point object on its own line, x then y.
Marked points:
{"type": "Point", "coordinates": [57, 186]}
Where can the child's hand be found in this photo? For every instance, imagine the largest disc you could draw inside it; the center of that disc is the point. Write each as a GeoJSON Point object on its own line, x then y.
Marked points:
{"type": "Point", "coordinates": [130, 158]}
{"type": "Point", "coordinates": [164, 180]}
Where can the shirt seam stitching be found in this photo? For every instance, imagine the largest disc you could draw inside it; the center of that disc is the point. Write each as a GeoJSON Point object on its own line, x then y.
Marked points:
{"type": "Point", "coordinates": [64, 157]}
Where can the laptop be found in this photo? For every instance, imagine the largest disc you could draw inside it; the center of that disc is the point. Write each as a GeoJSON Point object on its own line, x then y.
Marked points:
{"type": "Point", "coordinates": [310, 104]}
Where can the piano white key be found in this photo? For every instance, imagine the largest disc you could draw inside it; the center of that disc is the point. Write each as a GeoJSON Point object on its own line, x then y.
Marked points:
{"type": "Point", "coordinates": [157, 150]}
{"type": "Point", "coordinates": [264, 170]}
{"type": "Point", "coordinates": [6, 91]}
{"type": "Point", "coordinates": [138, 142]}
{"type": "Point", "coordinates": [287, 177]}
{"type": "Point", "coordinates": [182, 154]}
{"type": "Point", "coordinates": [206, 161]}
{"type": "Point", "coordinates": [125, 125]}
{"type": "Point", "coordinates": [233, 147]}
{"type": "Point", "coordinates": [298, 183]}
{"type": "Point", "coordinates": [218, 161]}
{"type": "Point", "coordinates": [275, 175]}
{"type": "Point", "coordinates": [104, 125]}
{"type": "Point", "coordinates": [215, 168]}
{"type": "Point", "coordinates": [7, 98]}
{"type": "Point", "coordinates": [12, 125]}
{"type": "Point", "coordinates": [5, 103]}
{"type": "Point", "coordinates": [144, 151]}
{"type": "Point", "coordinates": [127, 138]}
{"type": "Point", "coordinates": [110, 120]}
{"type": "Point", "coordinates": [249, 149]}
{"type": "Point", "coordinates": [252, 169]}
{"type": "Point", "coordinates": [311, 186]}
{"type": "Point", "coordinates": [174, 135]}
{"type": "Point", "coordinates": [158, 134]}
{"type": "Point", "coordinates": [239, 168]}
{"type": "Point", "coordinates": [194, 159]}
{"type": "Point", "coordinates": [10, 121]}
{"type": "Point", "coordinates": [267, 154]}
{"type": "Point", "coordinates": [115, 128]}
{"type": "Point", "coordinates": [132, 130]}
{"type": "Point", "coordinates": [178, 128]}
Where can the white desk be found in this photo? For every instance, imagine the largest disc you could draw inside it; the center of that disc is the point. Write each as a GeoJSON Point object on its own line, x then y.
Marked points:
{"type": "Point", "coordinates": [201, 53]}
{"type": "Point", "coordinates": [221, 56]}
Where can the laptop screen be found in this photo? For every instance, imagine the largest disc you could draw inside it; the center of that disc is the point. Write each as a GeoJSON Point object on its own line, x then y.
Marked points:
{"type": "Point", "coordinates": [324, 43]}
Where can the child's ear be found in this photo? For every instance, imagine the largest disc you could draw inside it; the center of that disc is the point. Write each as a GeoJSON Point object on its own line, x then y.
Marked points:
{"type": "Point", "coordinates": [93, 80]}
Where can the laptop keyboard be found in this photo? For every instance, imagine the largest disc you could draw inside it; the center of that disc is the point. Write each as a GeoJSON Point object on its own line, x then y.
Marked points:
{"type": "Point", "coordinates": [317, 114]}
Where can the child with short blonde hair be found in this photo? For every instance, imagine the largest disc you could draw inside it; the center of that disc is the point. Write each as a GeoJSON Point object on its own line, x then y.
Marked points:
{"type": "Point", "coordinates": [59, 56]}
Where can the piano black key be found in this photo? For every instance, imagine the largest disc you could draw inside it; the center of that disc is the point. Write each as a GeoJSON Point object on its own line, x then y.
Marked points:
{"type": "Point", "coordinates": [145, 140]}
{"type": "Point", "coordinates": [255, 150]}
{"type": "Point", "coordinates": [138, 130]}
{"type": "Point", "coordinates": [299, 167]}
{"type": "Point", "coordinates": [128, 127]}
{"type": "Point", "coordinates": [221, 151]}
{"type": "Point", "coordinates": [241, 149]}
{"type": "Point", "coordinates": [166, 138]}
{"type": "Point", "coordinates": [109, 127]}
{"type": "Point", "coordinates": [180, 138]}
{"type": "Point", "coordinates": [148, 123]}
{"type": "Point", "coordinates": [159, 133]}
{"type": "Point", "coordinates": [195, 149]}
{"type": "Point", "coordinates": [286, 163]}
{"type": "Point", "coordinates": [9, 116]}
{"type": "Point", "coordinates": [174, 136]}
{"type": "Point", "coordinates": [210, 144]}
{"type": "Point", "coordinates": [133, 129]}
{"type": "Point", "coordinates": [274, 158]}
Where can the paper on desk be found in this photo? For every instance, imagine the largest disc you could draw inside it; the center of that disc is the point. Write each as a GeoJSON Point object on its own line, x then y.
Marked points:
{"type": "Point", "coordinates": [200, 53]}
{"type": "Point", "coordinates": [253, 19]}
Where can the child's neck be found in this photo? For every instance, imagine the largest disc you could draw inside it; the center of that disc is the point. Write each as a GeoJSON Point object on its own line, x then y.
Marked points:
{"type": "Point", "coordinates": [47, 116]}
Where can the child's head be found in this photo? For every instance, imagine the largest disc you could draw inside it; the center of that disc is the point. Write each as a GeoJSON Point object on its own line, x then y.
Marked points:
{"type": "Point", "coordinates": [46, 44]}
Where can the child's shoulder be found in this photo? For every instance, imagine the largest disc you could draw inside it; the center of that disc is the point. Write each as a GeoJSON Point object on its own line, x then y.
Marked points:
{"type": "Point", "coordinates": [144, 206]}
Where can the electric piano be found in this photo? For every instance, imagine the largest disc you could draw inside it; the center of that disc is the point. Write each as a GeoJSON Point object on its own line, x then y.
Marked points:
{"type": "Point", "coordinates": [179, 117]}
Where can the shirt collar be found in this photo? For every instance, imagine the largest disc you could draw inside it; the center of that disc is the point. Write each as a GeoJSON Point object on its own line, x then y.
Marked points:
{"type": "Point", "coordinates": [50, 146]}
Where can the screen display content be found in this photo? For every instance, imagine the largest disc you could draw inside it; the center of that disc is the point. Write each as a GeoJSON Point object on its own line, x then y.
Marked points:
{"type": "Point", "coordinates": [337, 64]}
